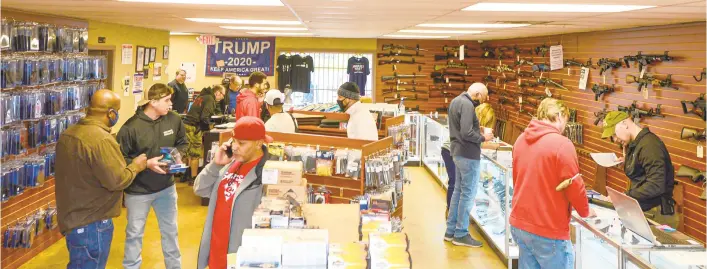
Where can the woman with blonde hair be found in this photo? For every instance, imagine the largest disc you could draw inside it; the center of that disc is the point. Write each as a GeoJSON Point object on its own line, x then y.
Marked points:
{"type": "Point", "coordinates": [546, 179]}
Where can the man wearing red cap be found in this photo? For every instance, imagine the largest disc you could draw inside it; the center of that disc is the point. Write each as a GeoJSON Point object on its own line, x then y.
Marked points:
{"type": "Point", "coordinates": [234, 186]}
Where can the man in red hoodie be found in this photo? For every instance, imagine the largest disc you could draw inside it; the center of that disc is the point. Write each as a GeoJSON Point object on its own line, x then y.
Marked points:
{"type": "Point", "coordinates": [248, 104]}
{"type": "Point", "coordinates": [542, 160]}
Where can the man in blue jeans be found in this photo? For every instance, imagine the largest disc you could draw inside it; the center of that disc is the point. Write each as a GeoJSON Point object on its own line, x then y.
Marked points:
{"type": "Point", "coordinates": [152, 127]}
{"type": "Point", "coordinates": [466, 138]}
{"type": "Point", "coordinates": [91, 175]}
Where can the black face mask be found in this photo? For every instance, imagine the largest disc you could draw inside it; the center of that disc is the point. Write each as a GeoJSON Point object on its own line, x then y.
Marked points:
{"type": "Point", "coordinates": [475, 102]}
{"type": "Point", "coordinates": [342, 107]}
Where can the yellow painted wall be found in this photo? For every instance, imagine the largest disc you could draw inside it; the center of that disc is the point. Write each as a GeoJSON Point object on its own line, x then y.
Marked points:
{"type": "Point", "coordinates": [116, 35]}
{"type": "Point", "coordinates": [185, 49]}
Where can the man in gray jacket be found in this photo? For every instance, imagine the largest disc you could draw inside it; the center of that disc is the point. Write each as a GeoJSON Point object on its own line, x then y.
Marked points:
{"type": "Point", "coordinates": [466, 138]}
{"type": "Point", "coordinates": [234, 186]}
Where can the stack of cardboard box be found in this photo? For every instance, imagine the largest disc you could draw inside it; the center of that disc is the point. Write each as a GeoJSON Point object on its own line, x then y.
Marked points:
{"type": "Point", "coordinates": [389, 251]}
{"type": "Point", "coordinates": [283, 248]}
{"type": "Point", "coordinates": [282, 180]}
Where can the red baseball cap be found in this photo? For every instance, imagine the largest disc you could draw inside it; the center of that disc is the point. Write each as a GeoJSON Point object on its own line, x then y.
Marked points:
{"type": "Point", "coordinates": [250, 128]}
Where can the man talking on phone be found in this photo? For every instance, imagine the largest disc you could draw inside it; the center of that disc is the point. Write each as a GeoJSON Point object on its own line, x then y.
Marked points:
{"type": "Point", "coordinates": [233, 182]}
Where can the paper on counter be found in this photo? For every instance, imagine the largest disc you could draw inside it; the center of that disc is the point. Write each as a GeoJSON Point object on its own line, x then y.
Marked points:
{"type": "Point", "coordinates": [605, 159]}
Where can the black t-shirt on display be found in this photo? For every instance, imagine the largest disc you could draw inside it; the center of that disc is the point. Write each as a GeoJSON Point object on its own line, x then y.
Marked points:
{"type": "Point", "coordinates": [302, 68]}
{"type": "Point", "coordinates": [284, 71]}
{"type": "Point", "coordinates": [358, 70]}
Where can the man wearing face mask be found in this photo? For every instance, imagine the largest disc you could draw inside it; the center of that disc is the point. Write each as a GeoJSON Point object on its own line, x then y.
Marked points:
{"type": "Point", "coordinates": [248, 102]}
{"type": "Point", "coordinates": [361, 123]}
{"type": "Point", "coordinates": [153, 126]}
{"type": "Point", "coordinates": [233, 182]}
{"type": "Point", "coordinates": [547, 185]}
{"type": "Point", "coordinates": [647, 164]}
{"type": "Point", "coordinates": [91, 175]}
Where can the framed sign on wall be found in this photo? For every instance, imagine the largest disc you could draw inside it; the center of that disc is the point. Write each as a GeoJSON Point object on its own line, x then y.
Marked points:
{"type": "Point", "coordinates": [241, 55]}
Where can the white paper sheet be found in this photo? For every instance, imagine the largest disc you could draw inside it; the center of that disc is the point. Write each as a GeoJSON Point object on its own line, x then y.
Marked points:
{"type": "Point", "coordinates": [126, 54]}
{"type": "Point", "coordinates": [605, 159]}
{"type": "Point", "coordinates": [556, 57]}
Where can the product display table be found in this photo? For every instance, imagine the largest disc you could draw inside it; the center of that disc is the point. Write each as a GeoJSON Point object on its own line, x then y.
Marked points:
{"type": "Point", "coordinates": [599, 243]}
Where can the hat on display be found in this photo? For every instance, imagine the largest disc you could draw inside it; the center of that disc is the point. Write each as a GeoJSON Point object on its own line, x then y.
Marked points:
{"type": "Point", "coordinates": [250, 128]}
{"type": "Point", "coordinates": [612, 118]}
{"type": "Point", "coordinates": [274, 97]}
{"type": "Point", "coordinates": [156, 92]}
{"type": "Point", "coordinates": [349, 90]}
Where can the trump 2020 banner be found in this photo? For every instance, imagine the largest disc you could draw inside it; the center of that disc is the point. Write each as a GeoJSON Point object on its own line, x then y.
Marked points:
{"type": "Point", "coordinates": [241, 55]}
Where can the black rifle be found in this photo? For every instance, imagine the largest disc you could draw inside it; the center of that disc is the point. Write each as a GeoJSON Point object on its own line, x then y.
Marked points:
{"type": "Point", "coordinates": [404, 83]}
{"type": "Point", "coordinates": [447, 73]}
{"type": "Point", "coordinates": [489, 79]}
{"type": "Point", "coordinates": [414, 98]}
{"type": "Point", "coordinates": [398, 61]}
{"type": "Point", "coordinates": [637, 113]}
{"type": "Point", "coordinates": [455, 49]}
{"type": "Point", "coordinates": [576, 63]}
{"type": "Point", "coordinates": [605, 64]}
{"type": "Point", "coordinates": [541, 68]}
{"type": "Point", "coordinates": [698, 106]}
{"type": "Point", "coordinates": [542, 49]}
{"type": "Point", "coordinates": [394, 54]}
{"type": "Point", "coordinates": [599, 116]}
{"type": "Point", "coordinates": [650, 80]}
{"type": "Point", "coordinates": [646, 59]}
{"type": "Point", "coordinates": [702, 75]}
{"type": "Point", "coordinates": [394, 90]}
{"type": "Point", "coordinates": [398, 76]}
{"type": "Point", "coordinates": [545, 81]}
{"type": "Point", "coordinates": [443, 80]}
{"type": "Point", "coordinates": [524, 62]}
{"type": "Point", "coordinates": [526, 74]}
{"type": "Point", "coordinates": [528, 84]}
{"type": "Point", "coordinates": [516, 50]}
{"type": "Point", "coordinates": [450, 65]}
{"type": "Point", "coordinates": [601, 90]}
{"type": "Point", "coordinates": [489, 53]}
{"type": "Point", "coordinates": [504, 68]}
{"type": "Point", "coordinates": [442, 57]}
{"type": "Point", "coordinates": [402, 47]}
{"type": "Point", "coordinates": [438, 94]}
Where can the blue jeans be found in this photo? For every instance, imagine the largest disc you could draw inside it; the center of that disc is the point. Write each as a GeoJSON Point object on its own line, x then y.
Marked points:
{"type": "Point", "coordinates": [89, 245]}
{"type": "Point", "coordinates": [451, 173]}
{"type": "Point", "coordinates": [467, 182]}
{"type": "Point", "coordinates": [542, 252]}
{"type": "Point", "coordinates": [164, 203]}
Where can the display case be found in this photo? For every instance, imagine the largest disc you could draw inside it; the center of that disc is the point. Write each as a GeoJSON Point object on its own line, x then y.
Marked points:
{"type": "Point", "coordinates": [415, 122]}
{"type": "Point", "coordinates": [602, 243]}
{"type": "Point", "coordinates": [435, 132]}
{"type": "Point", "coordinates": [493, 203]}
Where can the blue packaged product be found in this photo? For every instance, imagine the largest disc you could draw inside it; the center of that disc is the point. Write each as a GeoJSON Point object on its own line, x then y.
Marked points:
{"type": "Point", "coordinates": [5, 186]}
{"type": "Point", "coordinates": [44, 72]}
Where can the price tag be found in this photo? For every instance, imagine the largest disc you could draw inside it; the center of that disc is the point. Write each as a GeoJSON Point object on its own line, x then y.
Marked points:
{"type": "Point", "coordinates": [520, 99]}
{"type": "Point", "coordinates": [541, 75]}
{"type": "Point", "coordinates": [398, 82]}
{"type": "Point", "coordinates": [455, 54]}
{"type": "Point", "coordinates": [488, 73]}
{"type": "Point", "coordinates": [518, 81]}
{"type": "Point", "coordinates": [461, 52]}
{"type": "Point", "coordinates": [569, 70]}
{"type": "Point", "coordinates": [643, 72]}
{"type": "Point", "coordinates": [497, 78]}
{"type": "Point", "coordinates": [399, 51]}
{"type": "Point", "coordinates": [465, 72]}
{"type": "Point", "coordinates": [450, 84]}
{"type": "Point", "coordinates": [499, 62]}
{"type": "Point", "coordinates": [645, 93]}
{"type": "Point", "coordinates": [446, 100]}
{"type": "Point", "coordinates": [700, 151]}
{"type": "Point", "coordinates": [604, 78]}
{"type": "Point", "coordinates": [270, 176]}
{"type": "Point", "coordinates": [395, 67]}
{"type": "Point", "coordinates": [517, 58]}
{"type": "Point", "coordinates": [446, 79]}
{"type": "Point", "coordinates": [504, 75]}
{"type": "Point", "coordinates": [504, 86]}
{"type": "Point", "coordinates": [547, 92]}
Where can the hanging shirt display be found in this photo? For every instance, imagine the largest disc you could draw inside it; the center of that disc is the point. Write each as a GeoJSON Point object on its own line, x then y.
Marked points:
{"type": "Point", "coordinates": [358, 70]}
{"type": "Point", "coordinates": [284, 71]}
{"type": "Point", "coordinates": [302, 68]}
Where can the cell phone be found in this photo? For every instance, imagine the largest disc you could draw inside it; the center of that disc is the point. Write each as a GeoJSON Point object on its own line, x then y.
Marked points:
{"type": "Point", "coordinates": [229, 150]}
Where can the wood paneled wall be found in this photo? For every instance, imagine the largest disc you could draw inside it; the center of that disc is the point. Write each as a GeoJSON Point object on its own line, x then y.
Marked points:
{"type": "Point", "coordinates": [685, 42]}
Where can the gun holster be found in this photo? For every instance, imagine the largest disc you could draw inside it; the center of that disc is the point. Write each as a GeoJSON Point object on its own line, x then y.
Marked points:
{"type": "Point", "coordinates": [667, 206]}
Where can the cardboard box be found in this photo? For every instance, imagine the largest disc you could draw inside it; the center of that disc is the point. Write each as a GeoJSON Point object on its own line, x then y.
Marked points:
{"type": "Point", "coordinates": [282, 172]}
{"type": "Point", "coordinates": [298, 192]}
{"type": "Point", "coordinates": [382, 242]}
{"type": "Point", "coordinates": [375, 226]}
{"type": "Point", "coordinates": [256, 256]}
{"type": "Point", "coordinates": [348, 256]}
{"type": "Point", "coordinates": [393, 258]}
{"type": "Point", "coordinates": [305, 248]}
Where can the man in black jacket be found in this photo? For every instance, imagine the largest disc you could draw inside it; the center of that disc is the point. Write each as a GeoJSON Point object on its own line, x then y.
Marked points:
{"type": "Point", "coordinates": [153, 126]}
{"type": "Point", "coordinates": [197, 122]}
{"type": "Point", "coordinates": [647, 164]}
{"type": "Point", "coordinates": [180, 97]}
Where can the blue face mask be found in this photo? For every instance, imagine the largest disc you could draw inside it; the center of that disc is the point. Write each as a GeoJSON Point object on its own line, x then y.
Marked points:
{"type": "Point", "coordinates": [113, 120]}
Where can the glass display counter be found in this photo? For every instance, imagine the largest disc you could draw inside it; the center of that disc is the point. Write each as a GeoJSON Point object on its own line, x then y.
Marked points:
{"type": "Point", "coordinates": [602, 243]}
{"type": "Point", "coordinates": [435, 134]}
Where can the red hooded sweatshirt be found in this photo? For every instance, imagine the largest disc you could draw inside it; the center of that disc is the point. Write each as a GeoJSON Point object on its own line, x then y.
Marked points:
{"type": "Point", "coordinates": [248, 104]}
{"type": "Point", "coordinates": [542, 159]}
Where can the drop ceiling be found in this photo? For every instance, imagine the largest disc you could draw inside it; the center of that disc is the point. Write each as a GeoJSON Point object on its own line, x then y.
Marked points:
{"type": "Point", "coordinates": [370, 18]}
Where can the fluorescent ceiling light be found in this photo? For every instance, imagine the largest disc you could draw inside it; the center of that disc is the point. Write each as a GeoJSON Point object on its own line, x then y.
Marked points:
{"type": "Point", "coordinates": [235, 21]}
{"type": "Point", "coordinates": [214, 2]}
{"type": "Point", "coordinates": [417, 36]}
{"type": "Point", "coordinates": [441, 31]}
{"type": "Point", "coordinates": [257, 28]}
{"type": "Point", "coordinates": [517, 7]}
{"type": "Point", "coordinates": [473, 25]}
{"type": "Point", "coordinates": [279, 33]}
{"type": "Point", "coordinates": [182, 33]}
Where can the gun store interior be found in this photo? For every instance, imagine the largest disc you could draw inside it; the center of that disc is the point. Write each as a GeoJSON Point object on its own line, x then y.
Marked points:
{"type": "Point", "coordinates": [356, 134]}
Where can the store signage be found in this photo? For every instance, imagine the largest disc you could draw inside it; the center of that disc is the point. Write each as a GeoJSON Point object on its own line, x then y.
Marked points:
{"type": "Point", "coordinates": [207, 39]}
{"type": "Point", "coordinates": [241, 55]}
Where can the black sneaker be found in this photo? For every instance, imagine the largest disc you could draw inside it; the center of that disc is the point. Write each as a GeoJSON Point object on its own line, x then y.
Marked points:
{"type": "Point", "coordinates": [466, 241]}
{"type": "Point", "coordinates": [448, 237]}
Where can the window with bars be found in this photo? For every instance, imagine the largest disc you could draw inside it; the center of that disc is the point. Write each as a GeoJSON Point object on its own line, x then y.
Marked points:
{"type": "Point", "coordinates": [329, 73]}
